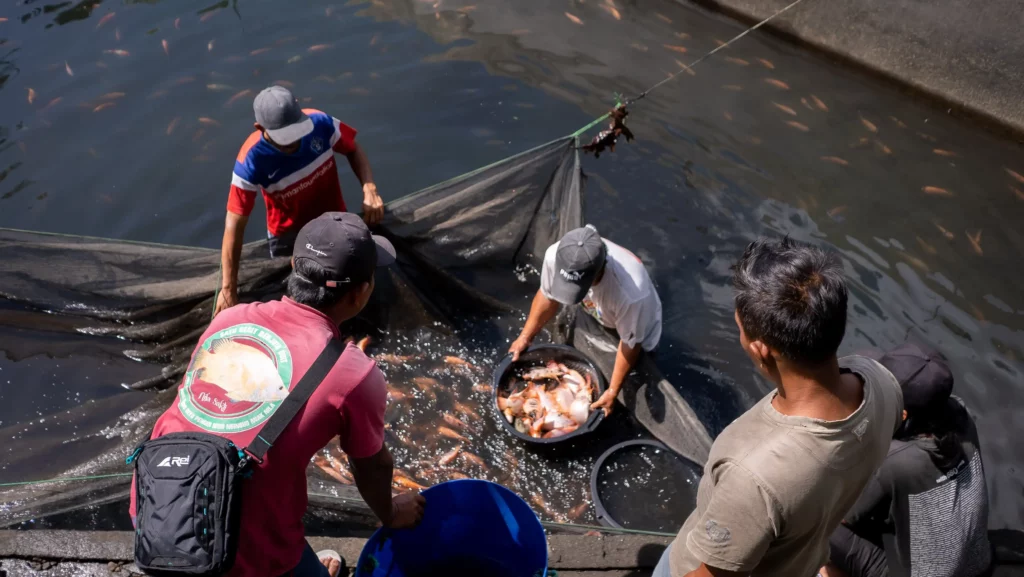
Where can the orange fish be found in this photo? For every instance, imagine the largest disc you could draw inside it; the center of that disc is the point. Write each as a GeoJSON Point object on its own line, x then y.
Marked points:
{"type": "Point", "coordinates": [319, 47]}
{"type": "Point", "coordinates": [936, 190]}
{"type": "Point", "coordinates": [1018, 192]}
{"type": "Point", "coordinates": [102, 106]}
{"type": "Point", "coordinates": [927, 137]}
{"type": "Point", "coordinates": [727, 115]}
{"type": "Point", "coordinates": [719, 43]}
{"type": "Point", "coordinates": [777, 83]}
{"type": "Point", "coordinates": [396, 395]}
{"type": "Point", "coordinates": [117, 34]}
{"type": "Point", "coordinates": [458, 475]}
{"type": "Point", "coordinates": [237, 96]}
{"type": "Point", "coordinates": [208, 15]}
{"type": "Point", "coordinates": [784, 108]}
{"type": "Point", "coordinates": [834, 212]}
{"type": "Point", "coordinates": [897, 121]}
{"type": "Point", "coordinates": [942, 152]}
{"type": "Point", "coordinates": [374, 39]}
{"type": "Point", "coordinates": [975, 241]}
{"type": "Point", "coordinates": [167, 48]}
{"type": "Point", "coordinates": [450, 456]}
{"type": "Point", "coordinates": [611, 10]}
{"type": "Point", "coordinates": [455, 422]}
{"type": "Point", "coordinates": [663, 18]}
{"type": "Point", "coordinates": [209, 46]}
{"type": "Point", "coordinates": [67, 68]}
{"type": "Point", "coordinates": [806, 104]}
{"type": "Point", "coordinates": [738, 61]}
{"type": "Point", "coordinates": [640, 47]}
{"type": "Point", "coordinates": [885, 149]}
{"type": "Point", "coordinates": [574, 19]}
{"type": "Point", "coordinates": [105, 19]}
{"type": "Point", "coordinates": [1014, 175]}
{"type": "Point", "coordinates": [52, 103]}
{"type": "Point", "coordinates": [949, 235]}
{"type": "Point", "coordinates": [466, 410]}
{"type": "Point", "coordinates": [121, 53]}
{"type": "Point", "coordinates": [682, 35]}
{"type": "Point", "coordinates": [475, 459]}
{"type": "Point", "coordinates": [446, 432]}
{"type": "Point", "coordinates": [732, 87]}
{"type": "Point", "coordinates": [482, 388]}
{"type": "Point", "coordinates": [679, 49]}
{"type": "Point", "coordinates": [406, 482]}
{"type": "Point", "coordinates": [835, 160]}
{"type": "Point", "coordinates": [171, 126]}
{"type": "Point", "coordinates": [177, 23]}
{"type": "Point", "coordinates": [766, 63]}
{"type": "Point", "coordinates": [209, 121]}
{"type": "Point", "coordinates": [157, 94]}
{"type": "Point", "coordinates": [457, 361]}
{"type": "Point", "coordinates": [31, 96]}
{"type": "Point", "coordinates": [363, 343]}
{"type": "Point", "coordinates": [817, 102]}
{"type": "Point", "coordinates": [868, 124]}
{"type": "Point", "coordinates": [578, 511]}
{"type": "Point", "coordinates": [927, 247]}
{"type": "Point", "coordinates": [112, 95]}
{"type": "Point", "coordinates": [327, 467]}
{"type": "Point", "coordinates": [259, 51]}
{"type": "Point", "coordinates": [798, 126]}
{"type": "Point", "coordinates": [328, 11]}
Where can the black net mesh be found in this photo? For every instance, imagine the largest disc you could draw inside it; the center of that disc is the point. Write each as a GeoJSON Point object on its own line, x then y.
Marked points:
{"type": "Point", "coordinates": [98, 333]}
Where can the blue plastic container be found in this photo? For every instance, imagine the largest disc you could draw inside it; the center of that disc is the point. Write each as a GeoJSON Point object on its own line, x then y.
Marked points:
{"type": "Point", "coordinates": [470, 527]}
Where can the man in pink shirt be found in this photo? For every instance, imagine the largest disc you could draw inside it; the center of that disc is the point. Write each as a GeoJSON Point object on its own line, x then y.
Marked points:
{"type": "Point", "coordinates": [253, 354]}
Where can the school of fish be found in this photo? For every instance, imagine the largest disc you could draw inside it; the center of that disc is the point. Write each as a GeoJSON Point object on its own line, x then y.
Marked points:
{"type": "Point", "coordinates": [551, 401]}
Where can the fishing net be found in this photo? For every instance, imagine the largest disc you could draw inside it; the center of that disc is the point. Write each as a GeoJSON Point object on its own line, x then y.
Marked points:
{"type": "Point", "coordinates": [98, 332]}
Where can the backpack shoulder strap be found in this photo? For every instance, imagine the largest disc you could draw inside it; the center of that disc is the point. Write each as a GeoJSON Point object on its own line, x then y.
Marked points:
{"type": "Point", "coordinates": [298, 396]}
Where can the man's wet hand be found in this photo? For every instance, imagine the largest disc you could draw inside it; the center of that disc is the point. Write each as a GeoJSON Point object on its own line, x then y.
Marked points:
{"type": "Point", "coordinates": [406, 511]}
{"type": "Point", "coordinates": [373, 206]}
{"type": "Point", "coordinates": [518, 346]}
{"type": "Point", "coordinates": [226, 298]}
{"type": "Point", "coordinates": [606, 402]}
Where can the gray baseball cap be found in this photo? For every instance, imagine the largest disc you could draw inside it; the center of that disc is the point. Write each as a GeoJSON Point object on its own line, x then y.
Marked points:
{"type": "Point", "coordinates": [279, 113]}
{"type": "Point", "coordinates": [580, 255]}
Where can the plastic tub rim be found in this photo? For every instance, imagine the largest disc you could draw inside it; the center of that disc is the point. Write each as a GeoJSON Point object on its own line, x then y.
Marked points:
{"type": "Point", "coordinates": [600, 512]}
{"type": "Point", "coordinates": [593, 420]}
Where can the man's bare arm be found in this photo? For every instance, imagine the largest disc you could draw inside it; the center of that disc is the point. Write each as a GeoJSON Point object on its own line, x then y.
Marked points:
{"type": "Point", "coordinates": [542, 310]}
{"type": "Point", "coordinates": [373, 206]}
{"type": "Point", "coordinates": [230, 253]}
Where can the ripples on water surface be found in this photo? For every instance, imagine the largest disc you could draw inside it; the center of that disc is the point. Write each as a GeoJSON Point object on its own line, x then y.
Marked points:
{"type": "Point", "coordinates": [123, 119]}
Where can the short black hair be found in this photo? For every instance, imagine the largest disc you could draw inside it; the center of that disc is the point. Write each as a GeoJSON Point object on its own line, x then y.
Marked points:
{"type": "Point", "coordinates": [306, 286]}
{"type": "Point", "coordinates": [792, 297]}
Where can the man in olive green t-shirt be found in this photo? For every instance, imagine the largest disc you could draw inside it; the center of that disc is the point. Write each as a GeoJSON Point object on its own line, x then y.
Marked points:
{"type": "Point", "coordinates": [780, 478]}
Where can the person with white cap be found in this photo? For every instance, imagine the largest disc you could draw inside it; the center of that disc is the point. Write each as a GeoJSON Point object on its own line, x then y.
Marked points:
{"type": "Point", "coordinates": [290, 158]}
{"type": "Point", "coordinates": [930, 491]}
{"type": "Point", "coordinates": [612, 286]}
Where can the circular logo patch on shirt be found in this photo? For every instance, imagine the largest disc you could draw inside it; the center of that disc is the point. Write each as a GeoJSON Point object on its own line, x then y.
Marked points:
{"type": "Point", "coordinates": [236, 379]}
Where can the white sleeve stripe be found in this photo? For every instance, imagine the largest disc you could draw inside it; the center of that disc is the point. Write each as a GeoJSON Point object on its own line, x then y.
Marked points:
{"type": "Point", "coordinates": [243, 183]}
{"type": "Point", "coordinates": [336, 136]}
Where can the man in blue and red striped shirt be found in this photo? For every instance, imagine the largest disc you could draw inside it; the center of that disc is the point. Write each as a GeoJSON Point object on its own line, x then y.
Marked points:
{"type": "Point", "coordinates": [290, 158]}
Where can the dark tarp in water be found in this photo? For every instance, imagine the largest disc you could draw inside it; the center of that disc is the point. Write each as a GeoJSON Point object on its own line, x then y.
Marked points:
{"type": "Point", "coordinates": [109, 318]}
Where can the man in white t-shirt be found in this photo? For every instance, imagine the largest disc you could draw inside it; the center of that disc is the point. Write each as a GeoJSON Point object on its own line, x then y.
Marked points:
{"type": "Point", "coordinates": [612, 286]}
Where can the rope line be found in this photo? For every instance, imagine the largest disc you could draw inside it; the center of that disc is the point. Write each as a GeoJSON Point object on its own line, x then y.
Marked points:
{"type": "Point", "coordinates": [548, 524]}
{"type": "Point", "coordinates": [60, 479]}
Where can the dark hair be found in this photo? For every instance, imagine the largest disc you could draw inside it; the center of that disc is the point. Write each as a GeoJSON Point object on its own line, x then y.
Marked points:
{"type": "Point", "coordinates": [945, 423]}
{"type": "Point", "coordinates": [306, 286]}
{"type": "Point", "coordinates": [792, 296]}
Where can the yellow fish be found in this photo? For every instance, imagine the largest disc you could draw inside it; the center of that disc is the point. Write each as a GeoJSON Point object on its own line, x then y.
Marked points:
{"type": "Point", "coordinates": [243, 372]}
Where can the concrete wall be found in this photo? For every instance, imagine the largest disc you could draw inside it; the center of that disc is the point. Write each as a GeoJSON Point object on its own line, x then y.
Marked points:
{"type": "Point", "coordinates": [967, 52]}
